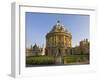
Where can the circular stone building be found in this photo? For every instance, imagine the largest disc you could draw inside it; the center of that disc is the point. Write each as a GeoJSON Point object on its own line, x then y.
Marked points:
{"type": "Point", "coordinates": [58, 41]}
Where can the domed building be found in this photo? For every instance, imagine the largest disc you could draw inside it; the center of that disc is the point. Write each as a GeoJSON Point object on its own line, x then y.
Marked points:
{"type": "Point", "coordinates": [34, 51]}
{"type": "Point", "coordinates": [58, 41]}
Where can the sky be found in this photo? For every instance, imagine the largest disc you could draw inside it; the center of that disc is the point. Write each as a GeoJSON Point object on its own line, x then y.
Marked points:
{"type": "Point", "coordinates": [39, 24]}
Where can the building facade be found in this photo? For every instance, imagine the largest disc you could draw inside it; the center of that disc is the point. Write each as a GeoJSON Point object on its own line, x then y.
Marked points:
{"type": "Point", "coordinates": [34, 51]}
{"type": "Point", "coordinates": [58, 41]}
{"type": "Point", "coordinates": [83, 48]}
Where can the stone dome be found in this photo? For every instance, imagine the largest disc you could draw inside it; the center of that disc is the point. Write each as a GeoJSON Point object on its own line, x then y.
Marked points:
{"type": "Point", "coordinates": [58, 27]}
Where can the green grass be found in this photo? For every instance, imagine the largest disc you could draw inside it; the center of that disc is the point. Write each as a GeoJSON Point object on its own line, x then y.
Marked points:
{"type": "Point", "coordinates": [76, 58]}
{"type": "Point", "coordinates": [37, 60]}
{"type": "Point", "coordinates": [47, 60]}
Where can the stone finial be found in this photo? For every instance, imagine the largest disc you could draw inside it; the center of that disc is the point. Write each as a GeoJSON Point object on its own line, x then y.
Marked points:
{"type": "Point", "coordinates": [58, 21]}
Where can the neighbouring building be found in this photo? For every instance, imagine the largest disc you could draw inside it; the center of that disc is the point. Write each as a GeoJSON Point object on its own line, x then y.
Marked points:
{"type": "Point", "coordinates": [76, 50]}
{"type": "Point", "coordinates": [83, 47]}
{"type": "Point", "coordinates": [34, 51]}
{"type": "Point", "coordinates": [58, 41]}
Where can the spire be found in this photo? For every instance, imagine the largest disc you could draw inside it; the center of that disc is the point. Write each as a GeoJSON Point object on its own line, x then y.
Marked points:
{"type": "Point", "coordinates": [35, 46]}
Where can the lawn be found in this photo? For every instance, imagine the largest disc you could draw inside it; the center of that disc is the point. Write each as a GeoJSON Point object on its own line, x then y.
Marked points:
{"type": "Point", "coordinates": [76, 59]}
{"type": "Point", "coordinates": [40, 60]}
{"type": "Point", "coordinates": [51, 60]}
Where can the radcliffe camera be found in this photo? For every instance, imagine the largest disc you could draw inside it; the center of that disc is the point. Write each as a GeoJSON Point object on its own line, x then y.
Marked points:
{"type": "Point", "coordinates": [56, 39]}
